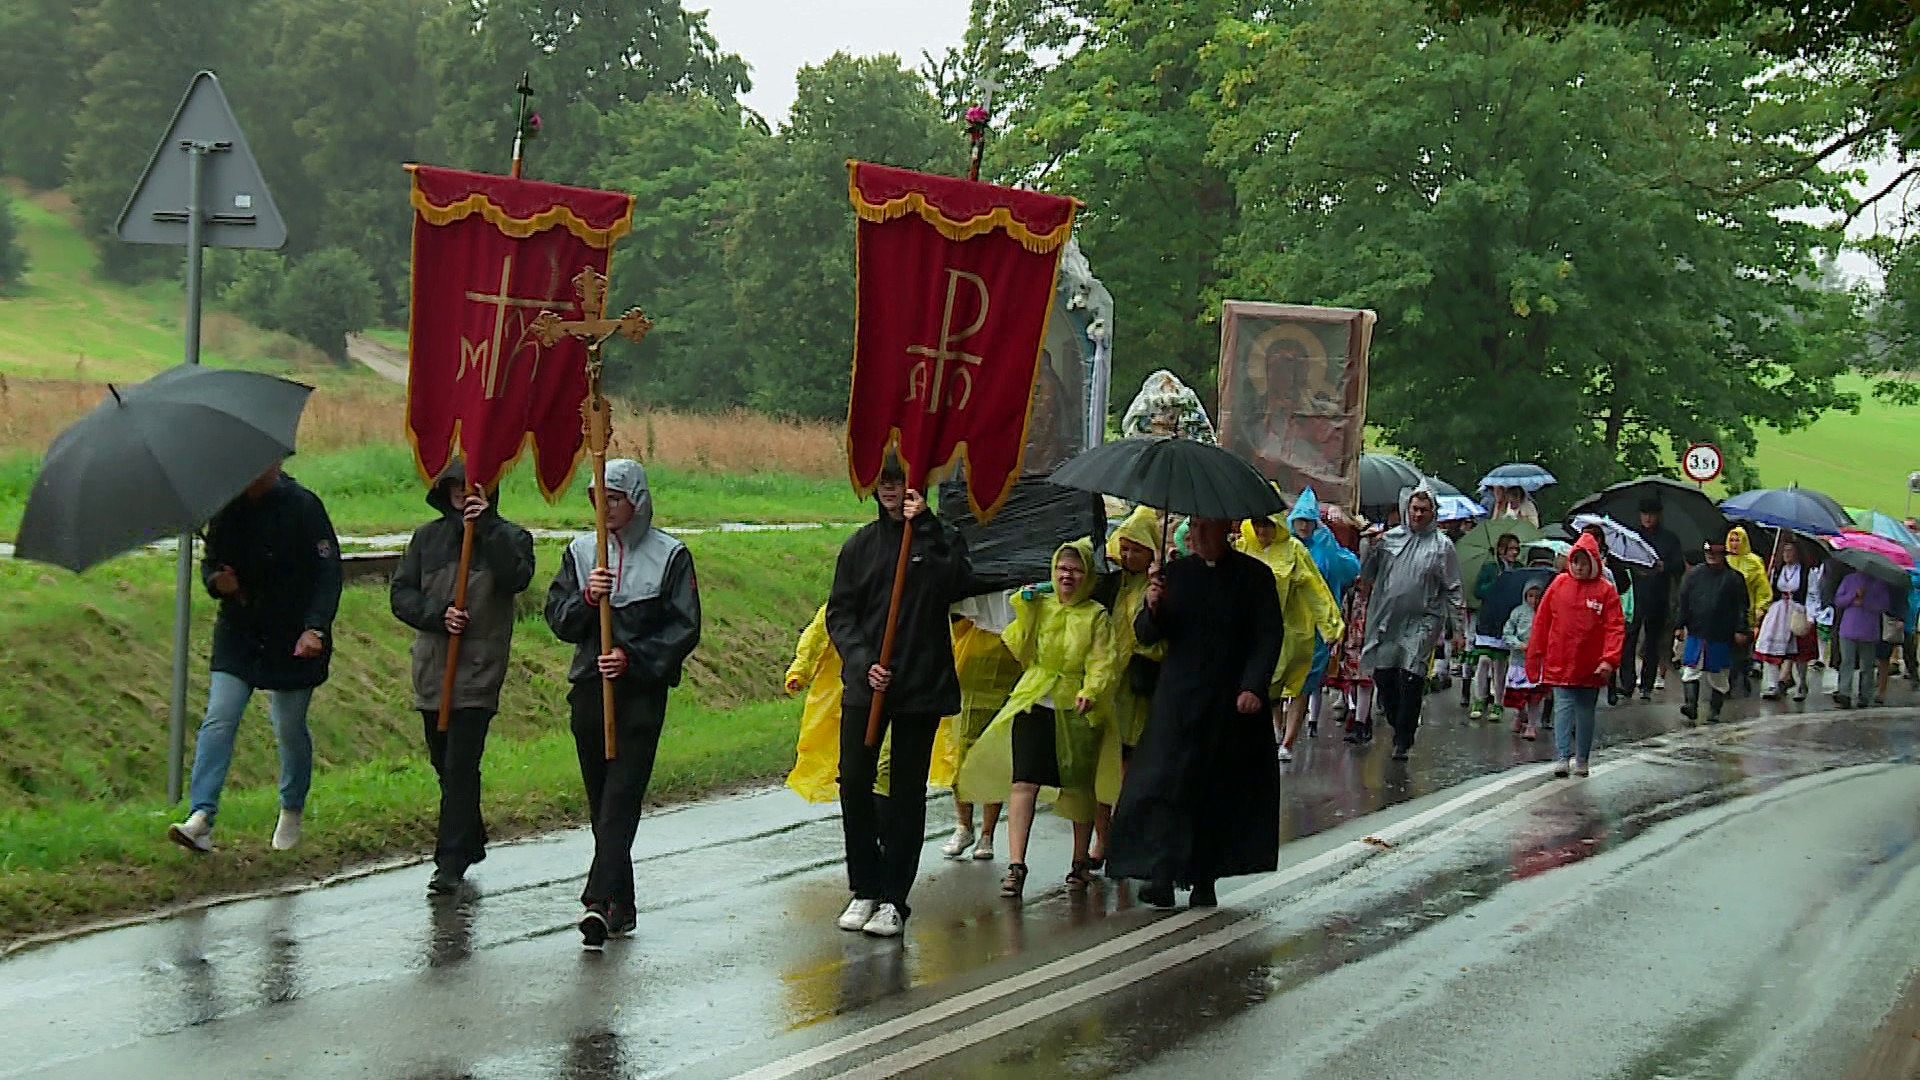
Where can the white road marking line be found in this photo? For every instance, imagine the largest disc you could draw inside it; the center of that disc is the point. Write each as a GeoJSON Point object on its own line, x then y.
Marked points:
{"type": "Point", "coordinates": [961, 1004]}
{"type": "Point", "coordinates": [1068, 997]}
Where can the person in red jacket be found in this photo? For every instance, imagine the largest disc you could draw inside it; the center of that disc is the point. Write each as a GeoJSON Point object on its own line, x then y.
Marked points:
{"type": "Point", "coordinates": [1579, 634]}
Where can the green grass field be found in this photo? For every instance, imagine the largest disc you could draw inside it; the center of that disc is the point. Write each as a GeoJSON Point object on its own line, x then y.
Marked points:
{"type": "Point", "coordinates": [1862, 460]}
{"type": "Point", "coordinates": [83, 719]}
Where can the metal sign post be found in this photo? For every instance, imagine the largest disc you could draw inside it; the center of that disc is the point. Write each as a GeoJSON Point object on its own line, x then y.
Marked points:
{"type": "Point", "coordinates": [201, 188]}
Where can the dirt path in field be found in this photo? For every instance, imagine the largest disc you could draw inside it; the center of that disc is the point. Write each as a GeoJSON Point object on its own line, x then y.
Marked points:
{"type": "Point", "coordinates": [387, 362]}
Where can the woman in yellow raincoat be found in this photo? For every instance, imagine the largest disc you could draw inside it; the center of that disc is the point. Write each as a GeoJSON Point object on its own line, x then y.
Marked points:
{"type": "Point", "coordinates": [1131, 548]}
{"type": "Point", "coordinates": [1740, 556]}
{"type": "Point", "coordinates": [1046, 736]}
{"type": "Point", "coordinates": [1306, 605]}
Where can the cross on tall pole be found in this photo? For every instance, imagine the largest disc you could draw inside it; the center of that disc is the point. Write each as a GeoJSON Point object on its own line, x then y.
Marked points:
{"type": "Point", "coordinates": [595, 329]}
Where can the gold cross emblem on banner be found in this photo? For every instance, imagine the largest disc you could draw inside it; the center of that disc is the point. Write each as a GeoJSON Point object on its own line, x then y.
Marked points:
{"type": "Point", "coordinates": [930, 384]}
{"type": "Point", "coordinates": [592, 327]}
{"type": "Point", "coordinates": [486, 357]}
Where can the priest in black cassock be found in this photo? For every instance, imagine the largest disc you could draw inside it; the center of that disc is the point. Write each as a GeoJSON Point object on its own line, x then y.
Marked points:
{"type": "Point", "coordinates": [1202, 794]}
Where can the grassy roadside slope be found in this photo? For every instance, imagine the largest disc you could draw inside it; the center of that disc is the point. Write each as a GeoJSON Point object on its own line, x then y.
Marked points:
{"type": "Point", "coordinates": [83, 688]}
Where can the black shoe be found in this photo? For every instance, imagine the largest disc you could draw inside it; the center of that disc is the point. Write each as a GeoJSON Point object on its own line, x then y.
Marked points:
{"type": "Point", "coordinates": [1691, 708]}
{"type": "Point", "coordinates": [1157, 894]}
{"type": "Point", "coordinates": [1203, 895]}
{"type": "Point", "coordinates": [444, 882]}
{"type": "Point", "coordinates": [1313, 729]}
{"type": "Point", "coordinates": [1401, 753]}
{"type": "Point", "coordinates": [1845, 701]}
{"type": "Point", "coordinates": [1714, 706]}
{"type": "Point", "coordinates": [593, 930]}
{"type": "Point", "coordinates": [621, 919]}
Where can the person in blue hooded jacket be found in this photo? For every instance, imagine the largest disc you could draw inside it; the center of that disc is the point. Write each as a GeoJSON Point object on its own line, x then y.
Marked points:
{"type": "Point", "coordinates": [1339, 568]}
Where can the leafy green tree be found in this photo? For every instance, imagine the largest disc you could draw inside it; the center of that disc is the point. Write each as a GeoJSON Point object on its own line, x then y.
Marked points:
{"type": "Point", "coordinates": [138, 57]}
{"type": "Point", "coordinates": [1544, 224]}
{"type": "Point", "coordinates": [790, 256]}
{"type": "Point", "coordinates": [40, 88]}
{"type": "Point", "coordinates": [683, 160]}
{"type": "Point", "coordinates": [326, 296]}
{"type": "Point", "coordinates": [1119, 123]}
{"type": "Point", "coordinates": [13, 255]}
{"type": "Point", "coordinates": [585, 60]}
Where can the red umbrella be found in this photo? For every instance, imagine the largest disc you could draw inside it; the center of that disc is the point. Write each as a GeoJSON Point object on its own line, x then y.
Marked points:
{"type": "Point", "coordinates": [1879, 545]}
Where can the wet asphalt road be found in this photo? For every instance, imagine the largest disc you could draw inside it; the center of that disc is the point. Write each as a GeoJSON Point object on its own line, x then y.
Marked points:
{"type": "Point", "coordinates": [1729, 901]}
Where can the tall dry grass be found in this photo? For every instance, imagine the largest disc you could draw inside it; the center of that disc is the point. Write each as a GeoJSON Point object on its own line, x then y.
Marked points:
{"type": "Point", "coordinates": [33, 411]}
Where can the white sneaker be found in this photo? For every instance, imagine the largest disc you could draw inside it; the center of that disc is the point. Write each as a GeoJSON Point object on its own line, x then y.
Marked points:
{"type": "Point", "coordinates": [1286, 755]}
{"type": "Point", "coordinates": [957, 844]}
{"type": "Point", "coordinates": [1561, 767]}
{"type": "Point", "coordinates": [1579, 766]}
{"type": "Point", "coordinates": [983, 850]}
{"type": "Point", "coordinates": [195, 834]}
{"type": "Point", "coordinates": [857, 915]}
{"type": "Point", "coordinates": [286, 835]}
{"type": "Point", "coordinates": [1659, 682]}
{"type": "Point", "coordinates": [887, 922]}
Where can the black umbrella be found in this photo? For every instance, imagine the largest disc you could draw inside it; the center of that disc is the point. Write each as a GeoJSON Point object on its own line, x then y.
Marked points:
{"type": "Point", "coordinates": [1383, 477]}
{"type": "Point", "coordinates": [1180, 475]}
{"type": "Point", "coordinates": [1874, 565]}
{"type": "Point", "coordinates": [156, 460]}
{"type": "Point", "coordinates": [1686, 510]}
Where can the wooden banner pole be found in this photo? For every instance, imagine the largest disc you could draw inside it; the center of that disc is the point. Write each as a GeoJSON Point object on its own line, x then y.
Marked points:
{"type": "Point", "coordinates": [599, 435]}
{"type": "Point", "coordinates": [459, 602]}
{"type": "Point", "coordinates": [877, 712]}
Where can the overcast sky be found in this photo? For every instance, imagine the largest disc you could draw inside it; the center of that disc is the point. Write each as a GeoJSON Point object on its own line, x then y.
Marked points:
{"type": "Point", "coordinates": [779, 37]}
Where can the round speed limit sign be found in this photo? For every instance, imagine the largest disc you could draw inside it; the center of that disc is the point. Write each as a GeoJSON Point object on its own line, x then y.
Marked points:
{"type": "Point", "coordinates": [1702, 463]}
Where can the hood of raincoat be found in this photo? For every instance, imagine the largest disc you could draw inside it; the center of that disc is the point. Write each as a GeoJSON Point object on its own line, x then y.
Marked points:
{"type": "Point", "coordinates": [1339, 567]}
{"type": "Point", "coordinates": [1142, 527]}
{"type": "Point", "coordinates": [454, 476]}
{"type": "Point", "coordinates": [637, 553]}
{"type": "Point", "coordinates": [1737, 542]}
{"type": "Point", "coordinates": [1250, 540]}
{"type": "Point", "coordinates": [1590, 547]}
{"type": "Point", "coordinates": [1084, 547]}
{"type": "Point", "coordinates": [1398, 538]}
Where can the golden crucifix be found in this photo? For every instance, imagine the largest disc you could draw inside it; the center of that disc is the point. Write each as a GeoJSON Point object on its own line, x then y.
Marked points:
{"type": "Point", "coordinates": [594, 328]}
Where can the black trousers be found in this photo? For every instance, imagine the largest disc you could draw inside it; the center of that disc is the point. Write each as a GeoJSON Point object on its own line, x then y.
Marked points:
{"type": "Point", "coordinates": [884, 835]}
{"type": "Point", "coordinates": [456, 760]}
{"type": "Point", "coordinates": [1402, 692]}
{"type": "Point", "coordinates": [1649, 641]}
{"type": "Point", "coordinates": [615, 789]}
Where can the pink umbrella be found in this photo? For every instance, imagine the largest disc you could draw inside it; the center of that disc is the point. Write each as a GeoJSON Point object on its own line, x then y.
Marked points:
{"type": "Point", "coordinates": [1865, 541]}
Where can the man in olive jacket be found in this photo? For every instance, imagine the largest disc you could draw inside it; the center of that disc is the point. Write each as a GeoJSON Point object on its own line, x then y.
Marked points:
{"type": "Point", "coordinates": [422, 597]}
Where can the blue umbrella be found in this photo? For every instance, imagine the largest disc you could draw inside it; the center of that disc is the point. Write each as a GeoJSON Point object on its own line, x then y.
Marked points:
{"type": "Point", "coordinates": [1458, 508]}
{"type": "Point", "coordinates": [1529, 478]}
{"type": "Point", "coordinates": [1802, 510]}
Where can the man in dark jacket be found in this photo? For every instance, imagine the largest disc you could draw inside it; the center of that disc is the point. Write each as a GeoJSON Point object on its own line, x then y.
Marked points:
{"type": "Point", "coordinates": [1648, 633]}
{"type": "Point", "coordinates": [649, 580]}
{"type": "Point", "coordinates": [272, 561]}
{"type": "Point", "coordinates": [1713, 612]}
{"type": "Point", "coordinates": [422, 597]}
{"type": "Point", "coordinates": [884, 837]}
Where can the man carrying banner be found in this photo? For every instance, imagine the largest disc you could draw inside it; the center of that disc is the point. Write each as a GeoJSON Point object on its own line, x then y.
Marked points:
{"type": "Point", "coordinates": [422, 596]}
{"type": "Point", "coordinates": [884, 836]}
{"type": "Point", "coordinates": [954, 288]}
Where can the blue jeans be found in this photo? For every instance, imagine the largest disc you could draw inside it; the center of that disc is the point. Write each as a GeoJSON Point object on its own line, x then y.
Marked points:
{"type": "Point", "coordinates": [213, 752]}
{"type": "Point", "coordinates": [1573, 709]}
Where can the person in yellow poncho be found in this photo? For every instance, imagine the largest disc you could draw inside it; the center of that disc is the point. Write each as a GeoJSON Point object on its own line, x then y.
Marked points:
{"type": "Point", "coordinates": [816, 767]}
{"type": "Point", "coordinates": [1740, 556]}
{"type": "Point", "coordinates": [987, 674]}
{"type": "Point", "coordinates": [1131, 548]}
{"type": "Point", "coordinates": [1046, 736]}
{"type": "Point", "coordinates": [1306, 606]}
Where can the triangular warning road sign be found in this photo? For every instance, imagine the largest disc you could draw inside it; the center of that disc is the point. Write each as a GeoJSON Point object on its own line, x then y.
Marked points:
{"type": "Point", "coordinates": [235, 209]}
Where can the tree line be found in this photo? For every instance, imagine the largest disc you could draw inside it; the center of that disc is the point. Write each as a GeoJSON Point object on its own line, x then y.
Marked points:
{"type": "Point", "coordinates": [1589, 238]}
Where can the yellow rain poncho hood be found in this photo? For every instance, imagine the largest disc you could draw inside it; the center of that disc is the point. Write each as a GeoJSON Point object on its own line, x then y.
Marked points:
{"type": "Point", "coordinates": [1142, 527]}
{"type": "Point", "coordinates": [1066, 645]}
{"type": "Point", "coordinates": [1306, 604]}
{"type": "Point", "coordinates": [1740, 556]}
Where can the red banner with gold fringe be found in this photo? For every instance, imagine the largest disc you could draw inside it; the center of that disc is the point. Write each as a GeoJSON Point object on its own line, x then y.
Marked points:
{"type": "Point", "coordinates": [490, 253]}
{"type": "Point", "coordinates": [956, 280]}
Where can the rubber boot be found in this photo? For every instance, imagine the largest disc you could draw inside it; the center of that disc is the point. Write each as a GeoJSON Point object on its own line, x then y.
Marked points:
{"type": "Point", "coordinates": [1714, 705]}
{"type": "Point", "coordinates": [1691, 710]}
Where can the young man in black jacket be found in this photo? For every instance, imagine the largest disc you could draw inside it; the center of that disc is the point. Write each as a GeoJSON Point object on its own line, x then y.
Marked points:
{"type": "Point", "coordinates": [1649, 637]}
{"type": "Point", "coordinates": [422, 596]}
{"type": "Point", "coordinates": [273, 562]}
{"type": "Point", "coordinates": [1713, 612]}
{"type": "Point", "coordinates": [650, 582]}
{"type": "Point", "coordinates": [884, 836]}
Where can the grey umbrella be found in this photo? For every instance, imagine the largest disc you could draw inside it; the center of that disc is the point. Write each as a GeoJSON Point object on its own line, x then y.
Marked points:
{"type": "Point", "coordinates": [1383, 476]}
{"type": "Point", "coordinates": [155, 460]}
